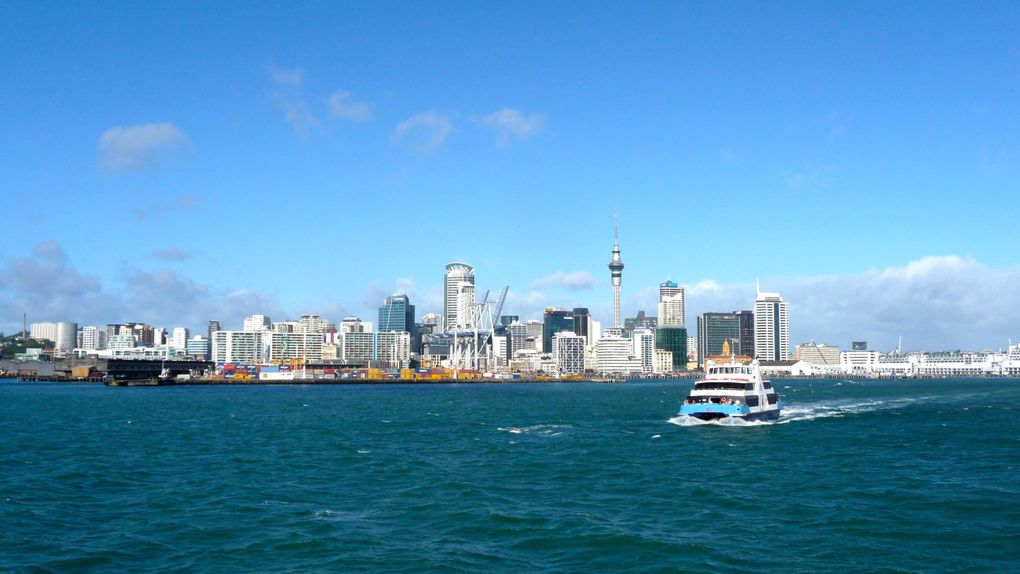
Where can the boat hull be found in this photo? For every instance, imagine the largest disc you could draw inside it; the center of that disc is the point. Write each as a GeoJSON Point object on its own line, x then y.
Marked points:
{"type": "Point", "coordinates": [711, 411]}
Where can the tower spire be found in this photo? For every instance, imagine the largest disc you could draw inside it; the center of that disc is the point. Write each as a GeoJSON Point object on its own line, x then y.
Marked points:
{"type": "Point", "coordinates": [616, 271]}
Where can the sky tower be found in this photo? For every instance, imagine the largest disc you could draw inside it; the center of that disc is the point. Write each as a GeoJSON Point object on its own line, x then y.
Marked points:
{"type": "Point", "coordinates": [616, 268]}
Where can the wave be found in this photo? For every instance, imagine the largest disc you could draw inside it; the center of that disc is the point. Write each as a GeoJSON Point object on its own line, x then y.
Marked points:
{"type": "Point", "coordinates": [805, 412]}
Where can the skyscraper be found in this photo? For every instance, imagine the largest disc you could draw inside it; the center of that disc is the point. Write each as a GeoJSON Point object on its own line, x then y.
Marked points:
{"type": "Point", "coordinates": [396, 314]}
{"type": "Point", "coordinates": [213, 327]}
{"type": "Point", "coordinates": [673, 338]}
{"type": "Point", "coordinates": [771, 327]}
{"type": "Point", "coordinates": [714, 329]}
{"type": "Point", "coordinates": [582, 322]}
{"type": "Point", "coordinates": [616, 271]}
{"type": "Point", "coordinates": [671, 304]}
{"type": "Point", "coordinates": [555, 321]}
{"type": "Point", "coordinates": [746, 342]}
{"type": "Point", "coordinates": [456, 275]}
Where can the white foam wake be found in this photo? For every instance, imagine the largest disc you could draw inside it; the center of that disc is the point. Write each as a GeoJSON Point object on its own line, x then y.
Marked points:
{"type": "Point", "coordinates": [805, 412]}
{"type": "Point", "coordinates": [543, 430]}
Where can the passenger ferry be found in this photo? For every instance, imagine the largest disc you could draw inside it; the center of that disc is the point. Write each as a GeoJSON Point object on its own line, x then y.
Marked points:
{"type": "Point", "coordinates": [734, 390]}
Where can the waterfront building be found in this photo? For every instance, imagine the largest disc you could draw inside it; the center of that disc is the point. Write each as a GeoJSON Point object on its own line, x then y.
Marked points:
{"type": "Point", "coordinates": [458, 276]}
{"type": "Point", "coordinates": [240, 347]}
{"type": "Point", "coordinates": [615, 355]}
{"type": "Point", "coordinates": [771, 327]}
{"type": "Point", "coordinates": [715, 329]}
{"type": "Point", "coordinates": [352, 324]}
{"type": "Point", "coordinates": [198, 346]}
{"type": "Point", "coordinates": [820, 354]}
{"type": "Point", "coordinates": [616, 272]}
{"type": "Point", "coordinates": [554, 321]}
{"type": "Point", "coordinates": [179, 339]}
{"type": "Point", "coordinates": [393, 349]}
{"type": "Point", "coordinates": [673, 338]}
{"type": "Point", "coordinates": [568, 351]}
{"type": "Point", "coordinates": [858, 362]}
{"type": "Point", "coordinates": [93, 339]}
{"type": "Point", "coordinates": [640, 321]}
{"type": "Point", "coordinates": [158, 336]}
{"type": "Point", "coordinates": [288, 346]}
{"type": "Point", "coordinates": [644, 348]}
{"type": "Point", "coordinates": [663, 362]}
{"type": "Point", "coordinates": [671, 304]}
{"type": "Point", "coordinates": [257, 323]}
{"type": "Point", "coordinates": [357, 347]}
{"type": "Point", "coordinates": [692, 350]}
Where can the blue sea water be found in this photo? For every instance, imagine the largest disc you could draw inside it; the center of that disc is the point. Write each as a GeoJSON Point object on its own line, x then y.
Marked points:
{"type": "Point", "coordinates": [862, 476]}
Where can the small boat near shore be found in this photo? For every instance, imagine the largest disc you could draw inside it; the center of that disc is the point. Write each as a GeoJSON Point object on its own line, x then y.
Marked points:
{"type": "Point", "coordinates": [734, 390]}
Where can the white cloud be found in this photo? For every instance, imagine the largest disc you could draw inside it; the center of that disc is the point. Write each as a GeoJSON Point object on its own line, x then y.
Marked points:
{"type": "Point", "coordinates": [510, 124]}
{"type": "Point", "coordinates": [343, 106]}
{"type": "Point", "coordinates": [298, 114]}
{"type": "Point", "coordinates": [288, 77]}
{"type": "Point", "coordinates": [171, 253]}
{"type": "Point", "coordinates": [126, 148]}
{"type": "Point", "coordinates": [574, 280]}
{"type": "Point", "coordinates": [179, 203]}
{"type": "Point", "coordinates": [423, 133]}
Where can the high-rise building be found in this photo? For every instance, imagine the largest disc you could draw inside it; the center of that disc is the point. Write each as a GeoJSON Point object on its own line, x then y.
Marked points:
{"type": "Point", "coordinates": [671, 304]}
{"type": "Point", "coordinates": [555, 321]}
{"type": "Point", "coordinates": [745, 346]}
{"type": "Point", "coordinates": [396, 314]}
{"type": "Point", "coordinates": [357, 347]}
{"type": "Point", "coordinates": [286, 346]}
{"type": "Point", "coordinates": [352, 324]}
{"type": "Point", "coordinates": [93, 338]}
{"type": "Point", "coordinates": [535, 330]}
{"type": "Point", "coordinates": [213, 327]}
{"type": "Point", "coordinates": [179, 340]}
{"type": "Point", "coordinates": [457, 276]}
{"type": "Point", "coordinates": [393, 349]}
{"type": "Point", "coordinates": [771, 327]}
{"type": "Point", "coordinates": [313, 324]}
{"type": "Point", "coordinates": [508, 319]}
{"type": "Point", "coordinates": [673, 338]}
{"type": "Point", "coordinates": [644, 348]}
{"type": "Point", "coordinates": [715, 329]}
{"type": "Point", "coordinates": [616, 272]}
{"type": "Point", "coordinates": [568, 351]}
{"type": "Point", "coordinates": [517, 338]}
{"type": "Point", "coordinates": [43, 331]}
{"type": "Point", "coordinates": [257, 323]}
{"type": "Point", "coordinates": [582, 322]}
{"type": "Point", "coordinates": [240, 347]}
{"type": "Point", "coordinates": [859, 345]}
{"type": "Point", "coordinates": [158, 337]}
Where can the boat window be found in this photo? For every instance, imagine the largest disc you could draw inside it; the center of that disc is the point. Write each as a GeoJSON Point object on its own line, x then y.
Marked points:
{"type": "Point", "coordinates": [748, 386]}
{"type": "Point", "coordinates": [752, 401]}
{"type": "Point", "coordinates": [773, 399]}
{"type": "Point", "coordinates": [767, 384]}
{"type": "Point", "coordinates": [722, 386]}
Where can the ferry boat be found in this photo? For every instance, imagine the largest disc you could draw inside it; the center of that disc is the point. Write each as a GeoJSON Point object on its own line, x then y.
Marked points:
{"type": "Point", "coordinates": [734, 390]}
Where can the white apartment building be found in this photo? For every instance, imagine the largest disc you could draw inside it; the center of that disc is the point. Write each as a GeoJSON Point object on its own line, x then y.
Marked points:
{"type": "Point", "coordinates": [357, 347]}
{"type": "Point", "coordinates": [614, 354]}
{"type": "Point", "coordinates": [457, 274]}
{"type": "Point", "coordinates": [288, 346]}
{"type": "Point", "coordinates": [240, 347]}
{"type": "Point", "coordinates": [393, 349]}
{"type": "Point", "coordinates": [179, 339]}
{"type": "Point", "coordinates": [771, 327]}
{"type": "Point", "coordinates": [257, 323]}
{"type": "Point", "coordinates": [671, 304]}
{"type": "Point", "coordinates": [644, 348]}
{"type": "Point", "coordinates": [93, 338]}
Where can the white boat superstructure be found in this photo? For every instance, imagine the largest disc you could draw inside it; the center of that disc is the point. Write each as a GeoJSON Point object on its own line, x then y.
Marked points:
{"type": "Point", "coordinates": [732, 389]}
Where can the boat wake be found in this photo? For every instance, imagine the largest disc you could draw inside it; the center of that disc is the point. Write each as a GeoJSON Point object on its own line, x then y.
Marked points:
{"type": "Point", "coordinates": [805, 412]}
{"type": "Point", "coordinates": [541, 430]}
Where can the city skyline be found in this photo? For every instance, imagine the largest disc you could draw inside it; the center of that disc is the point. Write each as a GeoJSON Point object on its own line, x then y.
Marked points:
{"type": "Point", "coordinates": [163, 162]}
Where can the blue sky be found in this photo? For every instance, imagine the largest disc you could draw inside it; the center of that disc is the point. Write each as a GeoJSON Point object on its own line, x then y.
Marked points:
{"type": "Point", "coordinates": [179, 163]}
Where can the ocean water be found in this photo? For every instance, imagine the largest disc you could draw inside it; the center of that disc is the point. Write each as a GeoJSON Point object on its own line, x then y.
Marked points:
{"type": "Point", "coordinates": [902, 476]}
